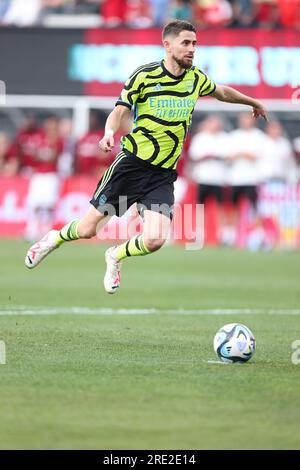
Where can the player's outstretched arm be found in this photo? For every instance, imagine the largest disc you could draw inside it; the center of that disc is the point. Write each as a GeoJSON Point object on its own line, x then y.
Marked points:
{"type": "Point", "coordinates": [230, 95]}
{"type": "Point", "coordinates": [112, 125]}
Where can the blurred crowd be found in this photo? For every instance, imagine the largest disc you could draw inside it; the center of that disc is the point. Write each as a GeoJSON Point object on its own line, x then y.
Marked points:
{"type": "Point", "coordinates": [49, 147]}
{"type": "Point", "coordinates": [244, 156]}
{"type": "Point", "coordinates": [154, 13]}
{"type": "Point", "coordinates": [227, 164]}
{"type": "Point", "coordinates": [231, 167]}
{"type": "Point", "coordinates": [215, 154]}
{"type": "Point", "coordinates": [47, 154]}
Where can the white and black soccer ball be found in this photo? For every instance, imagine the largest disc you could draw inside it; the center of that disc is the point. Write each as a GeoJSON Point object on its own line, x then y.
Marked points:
{"type": "Point", "coordinates": [234, 342]}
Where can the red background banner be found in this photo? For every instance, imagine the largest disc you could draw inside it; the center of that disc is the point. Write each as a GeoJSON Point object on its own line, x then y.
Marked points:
{"type": "Point", "coordinates": [279, 208]}
{"type": "Point", "coordinates": [272, 59]}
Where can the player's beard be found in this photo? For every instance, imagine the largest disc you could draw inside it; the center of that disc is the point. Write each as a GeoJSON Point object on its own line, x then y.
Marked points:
{"type": "Point", "coordinates": [183, 63]}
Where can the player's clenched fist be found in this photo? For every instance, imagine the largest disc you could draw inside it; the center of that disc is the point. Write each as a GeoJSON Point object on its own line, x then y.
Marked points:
{"type": "Point", "coordinates": [107, 143]}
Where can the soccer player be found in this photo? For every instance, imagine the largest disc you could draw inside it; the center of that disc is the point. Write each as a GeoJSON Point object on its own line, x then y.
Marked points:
{"type": "Point", "coordinates": [163, 96]}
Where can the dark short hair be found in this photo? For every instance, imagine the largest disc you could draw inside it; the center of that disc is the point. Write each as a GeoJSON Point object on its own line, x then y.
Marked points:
{"type": "Point", "coordinates": [175, 27]}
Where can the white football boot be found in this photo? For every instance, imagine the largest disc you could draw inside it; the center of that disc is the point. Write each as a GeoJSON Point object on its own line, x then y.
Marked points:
{"type": "Point", "coordinates": [41, 249]}
{"type": "Point", "coordinates": [112, 276]}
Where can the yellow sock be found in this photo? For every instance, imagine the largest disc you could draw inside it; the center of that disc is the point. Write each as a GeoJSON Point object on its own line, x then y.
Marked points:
{"type": "Point", "coordinates": [133, 247]}
{"type": "Point", "coordinates": [69, 232]}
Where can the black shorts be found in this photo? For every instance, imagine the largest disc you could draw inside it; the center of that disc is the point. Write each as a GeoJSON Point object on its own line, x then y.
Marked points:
{"type": "Point", "coordinates": [210, 190]}
{"type": "Point", "coordinates": [130, 179]}
{"type": "Point", "coordinates": [247, 192]}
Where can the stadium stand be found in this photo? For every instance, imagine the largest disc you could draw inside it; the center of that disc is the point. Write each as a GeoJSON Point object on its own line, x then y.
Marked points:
{"type": "Point", "coordinates": [148, 13]}
{"type": "Point", "coordinates": [87, 41]}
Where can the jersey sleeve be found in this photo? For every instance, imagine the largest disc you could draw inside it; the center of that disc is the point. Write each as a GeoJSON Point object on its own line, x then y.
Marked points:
{"type": "Point", "coordinates": [131, 90]}
{"type": "Point", "coordinates": [207, 86]}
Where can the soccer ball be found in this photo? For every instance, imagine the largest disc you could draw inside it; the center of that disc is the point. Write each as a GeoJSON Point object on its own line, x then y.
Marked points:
{"type": "Point", "coordinates": [234, 343]}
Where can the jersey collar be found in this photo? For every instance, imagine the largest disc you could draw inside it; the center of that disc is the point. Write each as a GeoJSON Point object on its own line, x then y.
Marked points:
{"type": "Point", "coordinates": [176, 77]}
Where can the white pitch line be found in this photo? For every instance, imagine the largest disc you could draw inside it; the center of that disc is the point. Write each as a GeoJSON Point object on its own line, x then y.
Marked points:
{"type": "Point", "coordinates": [7, 310]}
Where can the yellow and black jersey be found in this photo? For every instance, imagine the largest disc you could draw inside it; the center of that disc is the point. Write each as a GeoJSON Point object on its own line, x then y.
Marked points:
{"type": "Point", "coordinates": [163, 107]}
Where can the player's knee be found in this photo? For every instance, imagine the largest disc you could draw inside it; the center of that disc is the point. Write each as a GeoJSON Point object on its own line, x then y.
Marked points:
{"type": "Point", "coordinates": [154, 244]}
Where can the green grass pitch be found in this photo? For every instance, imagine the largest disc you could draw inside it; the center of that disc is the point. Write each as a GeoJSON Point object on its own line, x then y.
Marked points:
{"type": "Point", "coordinates": [143, 381]}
